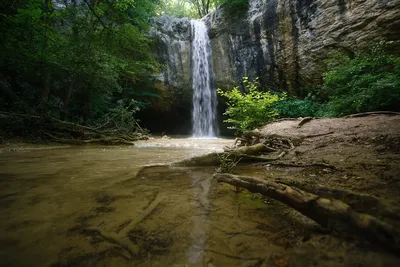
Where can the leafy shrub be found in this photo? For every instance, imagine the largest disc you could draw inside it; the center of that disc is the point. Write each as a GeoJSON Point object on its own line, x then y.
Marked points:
{"type": "Point", "coordinates": [123, 115]}
{"type": "Point", "coordinates": [292, 107]}
{"type": "Point", "coordinates": [249, 110]}
{"type": "Point", "coordinates": [369, 81]}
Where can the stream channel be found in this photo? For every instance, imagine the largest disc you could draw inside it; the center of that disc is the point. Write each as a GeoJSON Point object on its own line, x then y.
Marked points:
{"type": "Point", "coordinates": [89, 206]}
{"type": "Point", "coordinates": [98, 206]}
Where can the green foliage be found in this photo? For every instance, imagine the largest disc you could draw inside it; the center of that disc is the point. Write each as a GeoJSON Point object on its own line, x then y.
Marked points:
{"type": "Point", "coordinates": [369, 81]}
{"type": "Point", "coordinates": [179, 8]}
{"type": "Point", "coordinates": [123, 115]}
{"type": "Point", "coordinates": [251, 109]}
{"type": "Point", "coordinates": [236, 7]}
{"type": "Point", "coordinates": [292, 107]}
{"type": "Point", "coordinates": [83, 52]}
{"type": "Point", "coordinates": [200, 8]}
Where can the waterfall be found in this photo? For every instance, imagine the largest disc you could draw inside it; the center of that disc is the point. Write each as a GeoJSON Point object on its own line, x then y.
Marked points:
{"type": "Point", "coordinates": [204, 95]}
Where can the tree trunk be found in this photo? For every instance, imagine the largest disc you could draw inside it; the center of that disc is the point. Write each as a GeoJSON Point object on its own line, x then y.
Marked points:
{"type": "Point", "coordinates": [44, 97]}
{"type": "Point", "coordinates": [65, 99]}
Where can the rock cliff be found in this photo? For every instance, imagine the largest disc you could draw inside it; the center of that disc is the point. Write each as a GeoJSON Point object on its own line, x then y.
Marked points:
{"type": "Point", "coordinates": [172, 113]}
{"type": "Point", "coordinates": [283, 42]}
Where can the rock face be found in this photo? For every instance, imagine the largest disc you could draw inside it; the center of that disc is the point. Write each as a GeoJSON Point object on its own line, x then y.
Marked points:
{"type": "Point", "coordinates": [172, 113]}
{"type": "Point", "coordinates": [283, 42]}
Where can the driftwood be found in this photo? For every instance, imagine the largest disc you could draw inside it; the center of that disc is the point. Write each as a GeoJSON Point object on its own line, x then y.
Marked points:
{"type": "Point", "coordinates": [327, 212]}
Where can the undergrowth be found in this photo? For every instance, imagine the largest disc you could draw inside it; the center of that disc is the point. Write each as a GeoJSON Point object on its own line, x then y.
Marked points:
{"type": "Point", "coordinates": [367, 81]}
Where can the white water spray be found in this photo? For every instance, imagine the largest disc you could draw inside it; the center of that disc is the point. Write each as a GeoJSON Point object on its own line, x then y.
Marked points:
{"type": "Point", "coordinates": [204, 95]}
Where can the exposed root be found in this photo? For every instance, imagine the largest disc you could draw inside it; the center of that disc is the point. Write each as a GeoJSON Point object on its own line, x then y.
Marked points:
{"type": "Point", "coordinates": [121, 237]}
{"type": "Point", "coordinates": [251, 150]}
{"type": "Point", "coordinates": [317, 135]}
{"type": "Point", "coordinates": [365, 114]}
{"type": "Point", "coordinates": [304, 121]}
{"type": "Point", "coordinates": [360, 202]}
{"type": "Point", "coordinates": [327, 212]}
{"type": "Point", "coordinates": [322, 165]}
{"type": "Point", "coordinates": [214, 159]}
{"type": "Point", "coordinates": [115, 239]}
{"type": "Point", "coordinates": [232, 256]}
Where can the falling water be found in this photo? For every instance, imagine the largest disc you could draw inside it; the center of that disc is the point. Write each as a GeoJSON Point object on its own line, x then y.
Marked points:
{"type": "Point", "coordinates": [204, 95]}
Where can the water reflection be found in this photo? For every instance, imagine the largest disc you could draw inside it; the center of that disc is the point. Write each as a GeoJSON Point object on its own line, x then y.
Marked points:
{"type": "Point", "coordinates": [200, 197]}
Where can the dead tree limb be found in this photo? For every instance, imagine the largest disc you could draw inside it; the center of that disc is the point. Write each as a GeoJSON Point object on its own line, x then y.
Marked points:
{"type": "Point", "coordinates": [327, 212]}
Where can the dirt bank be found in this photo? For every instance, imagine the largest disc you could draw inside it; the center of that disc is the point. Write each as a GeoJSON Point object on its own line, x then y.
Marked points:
{"type": "Point", "coordinates": [365, 152]}
{"type": "Point", "coordinates": [354, 160]}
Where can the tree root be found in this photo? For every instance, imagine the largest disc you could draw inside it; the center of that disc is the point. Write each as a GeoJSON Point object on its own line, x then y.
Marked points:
{"type": "Point", "coordinates": [233, 256]}
{"type": "Point", "coordinates": [365, 114]}
{"type": "Point", "coordinates": [121, 239]}
{"type": "Point", "coordinates": [317, 135]}
{"type": "Point", "coordinates": [360, 202]}
{"type": "Point", "coordinates": [321, 165]}
{"type": "Point", "coordinates": [115, 239]}
{"type": "Point", "coordinates": [327, 212]}
{"type": "Point", "coordinates": [304, 121]}
{"type": "Point", "coordinates": [214, 159]}
{"type": "Point", "coordinates": [251, 150]}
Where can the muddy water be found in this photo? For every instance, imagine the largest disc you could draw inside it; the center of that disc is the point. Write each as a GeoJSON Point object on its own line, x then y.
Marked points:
{"type": "Point", "coordinates": [95, 206]}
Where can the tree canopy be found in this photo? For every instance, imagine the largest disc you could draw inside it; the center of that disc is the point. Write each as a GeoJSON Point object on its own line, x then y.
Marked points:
{"type": "Point", "coordinates": [199, 8]}
{"type": "Point", "coordinates": [78, 56]}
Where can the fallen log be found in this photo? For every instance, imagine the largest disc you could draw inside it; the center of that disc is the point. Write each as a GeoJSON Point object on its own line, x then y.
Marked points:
{"type": "Point", "coordinates": [327, 212]}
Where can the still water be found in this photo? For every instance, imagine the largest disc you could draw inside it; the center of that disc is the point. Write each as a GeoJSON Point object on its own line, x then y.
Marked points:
{"type": "Point", "coordinates": [98, 206]}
